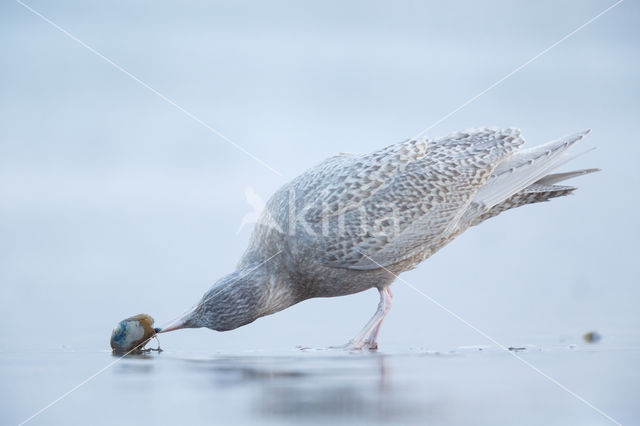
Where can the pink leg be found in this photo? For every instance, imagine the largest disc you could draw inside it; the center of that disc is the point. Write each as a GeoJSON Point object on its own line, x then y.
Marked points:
{"type": "Point", "coordinates": [372, 340]}
{"type": "Point", "coordinates": [368, 337]}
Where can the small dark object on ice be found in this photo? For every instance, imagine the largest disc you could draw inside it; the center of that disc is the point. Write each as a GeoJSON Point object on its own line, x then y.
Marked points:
{"type": "Point", "coordinates": [512, 348]}
{"type": "Point", "coordinates": [132, 334]}
{"type": "Point", "coordinates": [592, 337]}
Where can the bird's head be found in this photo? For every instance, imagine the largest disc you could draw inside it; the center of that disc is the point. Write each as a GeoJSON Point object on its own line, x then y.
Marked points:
{"type": "Point", "coordinates": [236, 299]}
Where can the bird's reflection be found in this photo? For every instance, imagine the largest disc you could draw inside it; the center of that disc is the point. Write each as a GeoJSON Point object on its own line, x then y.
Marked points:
{"type": "Point", "coordinates": [343, 386]}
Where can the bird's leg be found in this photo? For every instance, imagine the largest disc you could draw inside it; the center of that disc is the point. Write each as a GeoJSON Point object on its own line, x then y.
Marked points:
{"type": "Point", "coordinates": [372, 340]}
{"type": "Point", "coordinates": [369, 334]}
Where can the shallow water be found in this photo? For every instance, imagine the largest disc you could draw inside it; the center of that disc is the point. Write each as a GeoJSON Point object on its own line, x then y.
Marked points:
{"type": "Point", "coordinates": [473, 385]}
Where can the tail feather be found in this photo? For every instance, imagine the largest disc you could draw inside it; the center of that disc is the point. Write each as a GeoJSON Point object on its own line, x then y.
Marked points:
{"type": "Point", "coordinates": [535, 193]}
{"type": "Point", "coordinates": [523, 169]}
{"type": "Point", "coordinates": [525, 178]}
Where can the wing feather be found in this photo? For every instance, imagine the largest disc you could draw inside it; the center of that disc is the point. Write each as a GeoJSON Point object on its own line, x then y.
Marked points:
{"type": "Point", "coordinates": [524, 168]}
{"type": "Point", "coordinates": [381, 208]}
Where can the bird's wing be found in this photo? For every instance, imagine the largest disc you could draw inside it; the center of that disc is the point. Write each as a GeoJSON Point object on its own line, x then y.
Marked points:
{"type": "Point", "coordinates": [526, 167]}
{"type": "Point", "coordinates": [371, 211]}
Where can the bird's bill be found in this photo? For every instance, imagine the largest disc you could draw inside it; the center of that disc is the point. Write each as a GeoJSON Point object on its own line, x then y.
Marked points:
{"type": "Point", "coordinates": [174, 325]}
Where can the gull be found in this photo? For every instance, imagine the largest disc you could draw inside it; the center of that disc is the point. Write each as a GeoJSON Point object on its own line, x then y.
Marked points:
{"type": "Point", "coordinates": [355, 222]}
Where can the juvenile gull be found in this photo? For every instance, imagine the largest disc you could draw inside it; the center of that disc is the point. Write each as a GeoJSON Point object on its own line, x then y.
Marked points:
{"type": "Point", "coordinates": [354, 222]}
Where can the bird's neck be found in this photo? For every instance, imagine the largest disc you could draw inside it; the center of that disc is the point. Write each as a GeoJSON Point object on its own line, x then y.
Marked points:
{"type": "Point", "coordinates": [242, 297]}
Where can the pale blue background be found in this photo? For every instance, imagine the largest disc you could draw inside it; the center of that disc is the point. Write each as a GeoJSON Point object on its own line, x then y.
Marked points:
{"type": "Point", "coordinates": [113, 202]}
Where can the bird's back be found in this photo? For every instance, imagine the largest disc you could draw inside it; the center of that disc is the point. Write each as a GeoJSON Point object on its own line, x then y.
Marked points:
{"type": "Point", "coordinates": [394, 207]}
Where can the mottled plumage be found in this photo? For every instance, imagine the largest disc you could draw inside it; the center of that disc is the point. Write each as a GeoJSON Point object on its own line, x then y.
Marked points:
{"type": "Point", "coordinates": [353, 222]}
